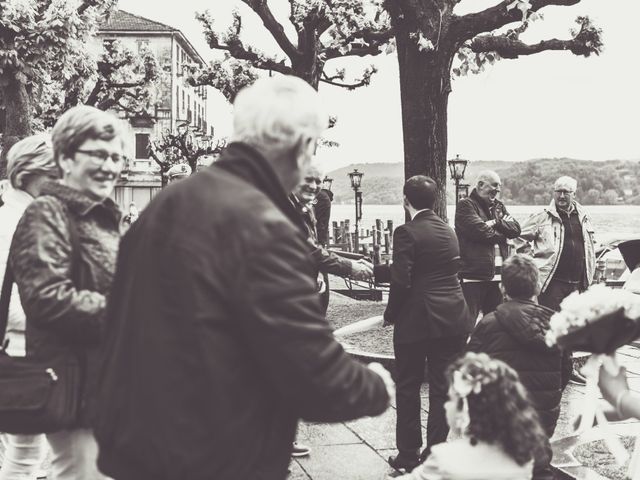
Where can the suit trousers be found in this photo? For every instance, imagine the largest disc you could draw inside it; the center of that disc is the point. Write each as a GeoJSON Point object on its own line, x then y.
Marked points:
{"type": "Point", "coordinates": [410, 362]}
{"type": "Point", "coordinates": [481, 297]}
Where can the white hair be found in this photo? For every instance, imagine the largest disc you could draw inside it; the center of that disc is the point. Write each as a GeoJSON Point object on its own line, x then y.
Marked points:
{"type": "Point", "coordinates": [487, 176]}
{"type": "Point", "coordinates": [275, 112]}
{"type": "Point", "coordinates": [30, 156]}
{"type": "Point", "coordinates": [316, 167]}
{"type": "Point", "coordinates": [566, 181]}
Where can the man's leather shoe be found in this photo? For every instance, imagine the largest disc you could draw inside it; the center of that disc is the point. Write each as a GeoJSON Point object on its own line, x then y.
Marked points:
{"type": "Point", "coordinates": [404, 462]}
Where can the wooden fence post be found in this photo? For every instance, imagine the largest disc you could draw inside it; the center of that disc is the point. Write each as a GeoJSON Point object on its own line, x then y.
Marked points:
{"type": "Point", "coordinates": [378, 231]}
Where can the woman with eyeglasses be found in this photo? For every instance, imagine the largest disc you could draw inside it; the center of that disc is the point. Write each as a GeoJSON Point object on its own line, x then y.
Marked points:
{"type": "Point", "coordinates": [29, 165]}
{"type": "Point", "coordinates": [63, 257]}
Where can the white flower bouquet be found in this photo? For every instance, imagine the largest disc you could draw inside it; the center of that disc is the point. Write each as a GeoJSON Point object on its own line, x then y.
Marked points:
{"type": "Point", "coordinates": [599, 320]}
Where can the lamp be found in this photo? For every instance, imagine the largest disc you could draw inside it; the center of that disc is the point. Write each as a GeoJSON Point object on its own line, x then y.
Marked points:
{"type": "Point", "coordinates": [457, 168]}
{"type": "Point", "coordinates": [327, 182]}
{"type": "Point", "coordinates": [356, 179]}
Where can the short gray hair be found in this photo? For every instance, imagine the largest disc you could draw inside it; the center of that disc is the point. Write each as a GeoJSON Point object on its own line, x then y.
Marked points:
{"type": "Point", "coordinates": [566, 181]}
{"type": "Point", "coordinates": [82, 123]}
{"type": "Point", "coordinates": [274, 113]}
{"type": "Point", "coordinates": [28, 157]}
{"type": "Point", "coordinates": [487, 176]}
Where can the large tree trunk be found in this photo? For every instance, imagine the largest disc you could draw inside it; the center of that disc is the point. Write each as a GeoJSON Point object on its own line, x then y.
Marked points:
{"type": "Point", "coordinates": [425, 84]}
{"type": "Point", "coordinates": [18, 112]}
{"type": "Point", "coordinates": [424, 93]}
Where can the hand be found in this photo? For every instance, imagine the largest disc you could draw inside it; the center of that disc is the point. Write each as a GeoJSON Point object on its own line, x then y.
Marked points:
{"type": "Point", "coordinates": [386, 377]}
{"type": "Point", "coordinates": [362, 270]}
{"type": "Point", "coordinates": [612, 385]}
{"type": "Point", "coordinates": [508, 218]}
{"type": "Point", "coordinates": [490, 223]}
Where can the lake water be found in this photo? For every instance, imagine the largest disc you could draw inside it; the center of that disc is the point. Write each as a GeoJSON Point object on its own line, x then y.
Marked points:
{"type": "Point", "coordinates": [609, 221]}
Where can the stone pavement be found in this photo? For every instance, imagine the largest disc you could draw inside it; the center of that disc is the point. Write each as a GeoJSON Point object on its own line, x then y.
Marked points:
{"type": "Point", "coordinates": [358, 450]}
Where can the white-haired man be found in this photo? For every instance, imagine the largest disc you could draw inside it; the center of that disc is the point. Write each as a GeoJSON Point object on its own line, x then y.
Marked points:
{"type": "Point", "coordinates": [216, 343]}
{"type": "Point", "coordinates": [326, 261]}
{"type": "Point", "coordinates": [560, 239]}
{"type": "Point", "coordinates": [483, 226]}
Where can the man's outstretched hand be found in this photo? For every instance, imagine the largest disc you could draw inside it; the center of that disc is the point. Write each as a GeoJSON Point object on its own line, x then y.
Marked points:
{"type": "Point", "coordinates": [362, 270]}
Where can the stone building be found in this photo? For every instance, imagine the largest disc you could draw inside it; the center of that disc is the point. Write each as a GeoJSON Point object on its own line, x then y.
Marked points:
{"type": "Point", "coordinates": [178, 103]}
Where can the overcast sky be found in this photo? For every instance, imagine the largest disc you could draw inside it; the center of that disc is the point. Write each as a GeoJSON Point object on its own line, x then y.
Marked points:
{"type": "Point", "coordinates": [546, 105]}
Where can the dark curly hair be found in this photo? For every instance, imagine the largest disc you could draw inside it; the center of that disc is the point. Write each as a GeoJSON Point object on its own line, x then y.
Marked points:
{"type": "Point", "coordinates": [501, 412]}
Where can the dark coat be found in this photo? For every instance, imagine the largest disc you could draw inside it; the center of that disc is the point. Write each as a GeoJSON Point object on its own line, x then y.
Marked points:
{"type": "Point", "coordinates": [322, 210]}
{"type": "Point", "coordinates": [425, 298]}
{"type": "Point", "coordinates": [218, 345]}
{"type": "Point", "coordinates": [64, 303]}
{"type": "Point", "coordinates": [325, 260]}
{"type": "Point", "coordinates": [515, 333]}
{"type": "Point", "coordinates": [477, 240]}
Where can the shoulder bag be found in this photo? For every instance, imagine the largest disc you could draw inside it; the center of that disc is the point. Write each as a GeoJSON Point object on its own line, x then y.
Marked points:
{"type": "Point", "coordinates": [36, 396]}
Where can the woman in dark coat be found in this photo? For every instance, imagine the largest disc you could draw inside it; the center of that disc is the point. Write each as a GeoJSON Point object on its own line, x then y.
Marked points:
{"type": "Point", "coordinates": [63, 257]}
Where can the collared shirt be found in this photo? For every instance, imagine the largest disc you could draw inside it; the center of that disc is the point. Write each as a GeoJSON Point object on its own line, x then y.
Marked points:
{"type": "Point", "coordinates": [419, 211]}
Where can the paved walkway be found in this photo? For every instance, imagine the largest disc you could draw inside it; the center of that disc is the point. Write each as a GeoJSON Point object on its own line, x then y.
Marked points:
{"type": "Point", "coordinates": [358, 450]}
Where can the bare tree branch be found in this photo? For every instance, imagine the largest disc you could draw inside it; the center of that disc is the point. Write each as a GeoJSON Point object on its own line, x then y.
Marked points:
{"type": "Point", "coordinates": [473, 24]}
{"type": "Point", "coordinates": [93, 96]}
{"type": "Point", "coordinates": [585, 42]}
{"type": "Point", "coordinates": [275, 28]}
{"type": "Point", "coordinates": [86, 5]}
{"type": "Point", "coordinates": [126, 85]}
{"type": "Point", "coordinates": [364, 81]}
{"type": "Point", "coordinates": [348, 86]}
{"type": "Point", "coordinates": [512, 48]}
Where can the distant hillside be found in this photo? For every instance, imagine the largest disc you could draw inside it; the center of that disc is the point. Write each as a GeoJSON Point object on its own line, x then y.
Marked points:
{"type": "Point", "coordinates": [526, 183]}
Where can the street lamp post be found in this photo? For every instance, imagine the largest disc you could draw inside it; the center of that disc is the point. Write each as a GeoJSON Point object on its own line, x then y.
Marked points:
{"type": "Point", "coordinates": [457, 167]}
{"type": "Point", "coordinates": [356, 180]}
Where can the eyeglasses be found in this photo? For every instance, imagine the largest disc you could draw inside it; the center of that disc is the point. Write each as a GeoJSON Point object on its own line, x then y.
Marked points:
{"type": "Point", "coordinates": [564, 192]}
{"type": "Point", "coordinates": [101, 156]}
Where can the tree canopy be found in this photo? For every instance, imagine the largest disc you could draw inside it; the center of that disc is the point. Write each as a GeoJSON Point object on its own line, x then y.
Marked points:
{"type": "Point", "coordinates": [320, 31]}
{"type": "Point", "coordinates": [435, 43]}
{"type": "Point", "coordinates": [46, 67]}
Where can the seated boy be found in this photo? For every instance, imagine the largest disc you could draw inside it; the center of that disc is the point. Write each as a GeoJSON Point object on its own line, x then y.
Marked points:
{"type": "Point", "coordinates": [515, 333]}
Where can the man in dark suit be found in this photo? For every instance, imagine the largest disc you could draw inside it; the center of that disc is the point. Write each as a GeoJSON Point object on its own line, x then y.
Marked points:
{"type": "Point", "coordinates": [430, 318]}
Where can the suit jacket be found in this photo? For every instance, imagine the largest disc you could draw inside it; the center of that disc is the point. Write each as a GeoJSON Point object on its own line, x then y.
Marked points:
{"type": "Point", "coordinates": [425, 297]}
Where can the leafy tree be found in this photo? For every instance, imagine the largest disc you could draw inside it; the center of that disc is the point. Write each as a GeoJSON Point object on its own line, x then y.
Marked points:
{"type": "Point", "coordinates": [430, 37]}
{"type": "Point", "coordinates": [325, 30]}
{"type": "Point", "coordinates": [180, 146]}
{"type": "Point", "coordinates": [119, 79]}
{"type": "Point", "coordinates": [38, 41]}
{"type": "Point", "coordinates": [45, 67]}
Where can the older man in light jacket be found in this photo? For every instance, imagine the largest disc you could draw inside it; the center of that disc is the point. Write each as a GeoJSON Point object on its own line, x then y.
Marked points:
{"type": "Point", "coordinates": [560, 239]}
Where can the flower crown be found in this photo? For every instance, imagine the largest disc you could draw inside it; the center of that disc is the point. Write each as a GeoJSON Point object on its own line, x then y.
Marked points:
{"type": "Point", "coordinates": [474, 374]}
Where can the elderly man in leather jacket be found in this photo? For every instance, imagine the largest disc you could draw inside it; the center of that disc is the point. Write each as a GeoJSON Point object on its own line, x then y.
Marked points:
{"type": "Point", "coordinates": [216, 344]}
{"type": "Point", "coordinates": [483, 226]}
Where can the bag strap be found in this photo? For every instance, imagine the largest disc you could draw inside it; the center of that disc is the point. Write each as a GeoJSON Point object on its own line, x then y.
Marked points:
{"type": "Point", "coordinates": [5, 298]}
{"type": "Point", "coordinates": [9, 280]}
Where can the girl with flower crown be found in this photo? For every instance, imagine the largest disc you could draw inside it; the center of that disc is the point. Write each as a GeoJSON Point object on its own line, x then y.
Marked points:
{"type": "Point", "coordinates": [498, 428]}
